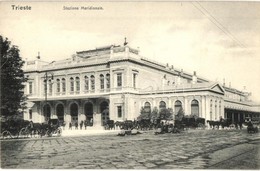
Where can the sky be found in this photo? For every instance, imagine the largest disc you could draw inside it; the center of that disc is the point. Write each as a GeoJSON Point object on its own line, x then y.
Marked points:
{"type": "Point", "coordinates": [218, 40]}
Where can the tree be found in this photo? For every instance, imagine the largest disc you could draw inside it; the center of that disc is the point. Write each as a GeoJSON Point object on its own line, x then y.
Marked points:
{"type": "Point", "coordinates": [154, 114]}
{"type": "Point", "coordinates": [12, 80]}
{"type": "Point", "coordinates": [180, 114]}
{"type": "Point", "coordinates": [166, 114]}
{"type": "Point", "coordinates": [143, 114]}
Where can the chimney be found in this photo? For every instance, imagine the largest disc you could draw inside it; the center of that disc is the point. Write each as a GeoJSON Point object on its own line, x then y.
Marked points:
{"type": "Point", "coordinates": [229, 84]}
{"type": "Point", "coordinates": [172, 67]}
{"type": "Point", "coordinates": [38, 57]}
{"type": "Point", "coordinates": [194, 78]}
{"type": "Point", "coordinates": [224, 82]}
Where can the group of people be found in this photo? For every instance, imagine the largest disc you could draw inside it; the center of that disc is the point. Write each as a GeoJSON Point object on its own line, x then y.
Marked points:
{"type": "Point", "coordinates": [81, 124]}
{"type": "Point", "coordinates": [166, 128]}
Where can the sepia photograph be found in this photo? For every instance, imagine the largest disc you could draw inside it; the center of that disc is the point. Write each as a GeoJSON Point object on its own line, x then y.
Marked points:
{"type": "Point", "coordinates": [130, 85]}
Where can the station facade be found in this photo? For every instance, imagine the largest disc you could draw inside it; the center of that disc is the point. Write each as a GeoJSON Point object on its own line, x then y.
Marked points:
{"type": "Point", "coordinates": [116, 82]}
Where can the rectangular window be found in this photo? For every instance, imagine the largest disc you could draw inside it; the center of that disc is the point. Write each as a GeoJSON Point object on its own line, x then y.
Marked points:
{"type": "Point", "coordinates": [86, 85]}
{"type": "Point", "coordinates": [102, 84]}
{"type": "Point", "coordinates": [58, 87]}
{"type": "Point", "coordinates": [77, 86]}
{"type": "Point", "coordinates": [119, 80]}
{"type": "Point", "coordinates": [134, 80]}
{"type": "Point", "coordinates": [30, 87]}
{"type": "Point", "coordinates": [119, 111]}
{"type": "Point", "coordinates": [50, 88]}
{"type": "Point", "coordinates": [108, 84]}
{"type": "Point", "coordinates": [63, 87]}
{"type": "Point", "coordinates": [92, 83]}
{"type": "Point", "coordinates": [72, 86]}
{"type": "Point", "coordinates": [30, 114]}
{"type": "Point", "coordinates": [45, 88]}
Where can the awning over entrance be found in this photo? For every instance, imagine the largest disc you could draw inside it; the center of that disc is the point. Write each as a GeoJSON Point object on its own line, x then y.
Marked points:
{"type": "Point", "coordinates": [30, 104]}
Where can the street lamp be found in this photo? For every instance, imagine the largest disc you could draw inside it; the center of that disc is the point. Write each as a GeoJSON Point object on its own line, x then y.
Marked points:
{"type": "Point", "coordinates": [123, 107]}
{"type": "Point", "coordinates": [47, 76]}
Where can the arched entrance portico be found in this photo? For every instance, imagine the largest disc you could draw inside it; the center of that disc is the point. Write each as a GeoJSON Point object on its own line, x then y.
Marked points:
{"type": "Point", "coordinates": [46, 112]}
{"type": "Point", "coordinates": [88, 108]}
{"type": "Point", "coordinates": [74, 113]}
{"type": "Point", "coordinates": [60, 112]}
{"type": "Point", "coordinates": [104, 109]}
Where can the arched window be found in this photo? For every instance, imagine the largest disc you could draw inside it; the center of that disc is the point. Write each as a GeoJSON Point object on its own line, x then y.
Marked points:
{"type": "Point", "coordinates": [45, 86]}
{"type": "Point", "coordinates": [177, 106]}
{"type": "Point", "coordinates": [195, 107]}
{"type": "Point", "coordinates": [86, 87]}
{"type": "Point", "coordinates": [102, 82]}
{"type": "Point", "coordinates": [63, 85]}
{"type": "Point", "coordinates": [92, 79]}
{"type": "Point", "coordinates": [71, 84]}
{"type": "Point", "coordinates": [77, 84]}
{"type": "Point", "coordinates": [162, 105]}
{"type": "Point", "coordinates": [108, 81]}
{"type": "Point", "coordinates": [147, 107]}
{"type": "Point", "coordinates": [58, 85]}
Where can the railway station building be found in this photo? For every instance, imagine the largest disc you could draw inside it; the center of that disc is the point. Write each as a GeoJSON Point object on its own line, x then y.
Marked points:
{"type": "Point", "coordinates": [115, 82]}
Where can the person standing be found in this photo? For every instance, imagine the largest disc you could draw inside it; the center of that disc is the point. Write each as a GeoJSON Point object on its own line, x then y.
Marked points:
{"type": "Point", "coordinates": [81, 125]}
{"type": "Point", "coordinates": [70, 126]}
{"type": "Point", "coordinates": [76, 125]}
{"type": "Point", "coordinates": [85, 124]}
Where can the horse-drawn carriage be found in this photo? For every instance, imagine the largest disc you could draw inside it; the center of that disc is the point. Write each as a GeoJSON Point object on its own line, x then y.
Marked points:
{"type": "Point", "coordinates": [252, 124]}
{"type": "Point", "coordinates": [109, 125]}
{"type": "Point", "coordinates": [189, 121]}
{"type": "Point", "coordinates": [24, 128]}
{"type": "Point", "coordinates": [13, 128]}
{"type": "Point", "coordinates": [52, 127]}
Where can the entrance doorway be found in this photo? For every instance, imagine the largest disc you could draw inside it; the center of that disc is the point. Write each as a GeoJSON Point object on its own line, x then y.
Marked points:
{"type": "Point", "coordinates": [104, 109]}
{"type": "Point", "coordinates": [60, 112]}
{"type": "Point", "coordinates": [89, 111]}
{"type": "Point", "coordinates": [47, 112]}
{"type": "Point", "coordinates": [74, 113]}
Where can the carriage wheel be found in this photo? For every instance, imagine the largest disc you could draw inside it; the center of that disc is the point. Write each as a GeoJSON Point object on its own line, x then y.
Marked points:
{"type": "Point", "coordinates": [36, 133]}
{"type": "Point", "coordinates": [6, 134]}
{"type": "Point", "coordinates": [49, 133]}
{"type": "Point", "coordinates": [23, 133]}
{"type": "Point", "coordinates": [201, 126]}
{"type": "Point", "coordinates": [59, 131]}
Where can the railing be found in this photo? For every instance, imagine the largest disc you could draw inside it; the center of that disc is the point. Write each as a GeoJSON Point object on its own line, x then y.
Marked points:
{"type": "Point", "coordinates": [92, 92]}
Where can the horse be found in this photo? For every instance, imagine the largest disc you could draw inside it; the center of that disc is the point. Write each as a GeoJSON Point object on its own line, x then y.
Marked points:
{"type": "Point", "coordinates": [110, 124]}
{"type": "Point", "coordinates": [225, 123]}
{"type": "Point", "coordinates": [214, 124]}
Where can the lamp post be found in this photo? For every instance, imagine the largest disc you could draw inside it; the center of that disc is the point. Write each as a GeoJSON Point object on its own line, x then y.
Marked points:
{"type": "Point", "coordinates": [123, 106]}
{"type": "Point", "coordinates": [46, 78]}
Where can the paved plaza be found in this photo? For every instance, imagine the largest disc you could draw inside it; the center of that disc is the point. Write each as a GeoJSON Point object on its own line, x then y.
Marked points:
{"type": "Point", "coordinates": [192, 149]}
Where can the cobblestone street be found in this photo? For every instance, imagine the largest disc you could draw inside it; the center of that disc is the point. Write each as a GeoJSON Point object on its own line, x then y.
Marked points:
{"type": "Point", "coordinates": [193, 149]}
